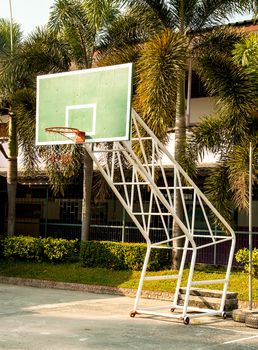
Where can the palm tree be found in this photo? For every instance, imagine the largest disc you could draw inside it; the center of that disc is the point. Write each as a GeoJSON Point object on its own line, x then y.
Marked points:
{"type": "Point", "coordinates": [232, 79]}
{"type": "Point", "coordinates": [18, 83]}
{"type": "Point", "coordinates": [8, 46]}
{"type": "Point", "coordinates": [81, 23]}
{"type": "Point", "coordinates": [75, 28]}
{"type": "Point", "coordinates": [41, 53]}
{"type": "Point", "coordinates": [188, 18]}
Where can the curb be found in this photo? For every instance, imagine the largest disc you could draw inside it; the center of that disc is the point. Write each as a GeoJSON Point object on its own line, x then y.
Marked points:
{"type": "Point", "coordinates": [97, 289]}
{"type": "Point", "coordinates": [84, 288]}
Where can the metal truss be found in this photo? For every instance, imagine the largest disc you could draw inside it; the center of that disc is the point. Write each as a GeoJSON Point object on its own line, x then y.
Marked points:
{"type": "Point", "coordinates": [131, 167]}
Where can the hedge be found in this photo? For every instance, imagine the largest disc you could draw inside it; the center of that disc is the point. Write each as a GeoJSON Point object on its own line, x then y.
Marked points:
{"type": "Point", "coordinates": [242, 256]}
{"type": "Point", "coordinates": [110, 255]}
{"type": "Point", "coordinates": [40, 249]}
{"type": "Point", "coordinates": [1, 247]}
{"type": "Point", "coordinates": [122, 256]}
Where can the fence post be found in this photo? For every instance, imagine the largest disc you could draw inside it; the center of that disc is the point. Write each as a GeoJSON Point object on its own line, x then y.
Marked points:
{"type": "Point", "coordinates": [215, 249]}
{"type": "Point", "coordinates": [250, 228]}
{"type": "Point", "coordinates": [123, 226]}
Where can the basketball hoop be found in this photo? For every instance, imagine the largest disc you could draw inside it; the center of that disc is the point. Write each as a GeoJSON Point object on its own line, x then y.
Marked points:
{"type": "Point", "coordinates": [70, 133]}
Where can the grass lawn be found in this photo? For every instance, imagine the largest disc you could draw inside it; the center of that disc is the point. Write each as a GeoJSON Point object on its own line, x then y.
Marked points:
{"type": "Point", "coordinates": [74, 273]}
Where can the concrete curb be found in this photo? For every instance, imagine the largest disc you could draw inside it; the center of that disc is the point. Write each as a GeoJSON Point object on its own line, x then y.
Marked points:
{"type": "Point", "coordinates": [97, 289]}
{"type": "Point", "coordinates": [84, 288]}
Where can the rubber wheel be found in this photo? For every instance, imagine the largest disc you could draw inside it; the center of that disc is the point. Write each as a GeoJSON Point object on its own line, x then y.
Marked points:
{"type": "Point", "coordinates": [186, 320]}
{"type": "Point", "coordinates": [239, 315]}
{"type": "Point", "coordinates": [251, 320]}
{"type": "Point", "coordinates": [172, 309]}
{"type": "Point", "coordinates": [132, 314]}
{"type": "Point", "coordinates": [224, 315]}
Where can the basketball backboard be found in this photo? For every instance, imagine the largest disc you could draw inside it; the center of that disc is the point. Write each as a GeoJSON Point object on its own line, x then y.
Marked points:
{"type": "Point", "coordinates": [96, 101]}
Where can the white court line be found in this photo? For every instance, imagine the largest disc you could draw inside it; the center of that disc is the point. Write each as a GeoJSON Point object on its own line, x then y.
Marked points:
{"type": "Point", "coordinates": [241, 339]}
{"type": "Point", "coordinates": [233, 330]}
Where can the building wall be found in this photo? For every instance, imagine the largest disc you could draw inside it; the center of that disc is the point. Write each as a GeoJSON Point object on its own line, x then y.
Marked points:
{"type": "Point", "coordinates": [200, 107]}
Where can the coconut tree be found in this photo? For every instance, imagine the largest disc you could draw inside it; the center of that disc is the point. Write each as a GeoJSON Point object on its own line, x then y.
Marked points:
{"type": "Point", "coordinates": [69, 42]}
{"type": "Point", "coordinates": [81, 23]}
{"type": "Point", "coordinates": [232, 79]}
{"type": "Point", "coordinates": [189, 18]}
{"type": "Point", "coordinates": [8, 47]}
{"type": "Point", "coordinates": [157, 94]}
{"type": "Point", "coordinates": [39, 53]}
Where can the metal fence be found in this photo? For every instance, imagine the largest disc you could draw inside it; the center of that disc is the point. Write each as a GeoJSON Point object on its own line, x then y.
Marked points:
{"type": "Point", "coordinates": [41, 214]}
{"type": "Point", "coordinates": [213, 255]}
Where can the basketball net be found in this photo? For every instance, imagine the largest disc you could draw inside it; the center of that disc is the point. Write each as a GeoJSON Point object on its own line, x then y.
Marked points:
{"type": "Point", "coordinates": [61, 156]}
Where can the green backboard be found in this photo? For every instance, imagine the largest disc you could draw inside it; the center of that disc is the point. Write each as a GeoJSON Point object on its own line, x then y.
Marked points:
{"type": "Point", "coordinates": [96, 101]}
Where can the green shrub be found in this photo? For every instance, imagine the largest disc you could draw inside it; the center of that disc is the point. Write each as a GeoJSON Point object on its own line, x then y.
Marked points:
{"type": "Point", "coordinates": [1, 248]}
{"type": "Point", "coordinates": [102, 254]}
{"type": "Point", "coordinates": [40, 249]}
{"type": "Point", "coordinates": [242, 256]}
{"type": "Point", "coordinates": [58, 249]}
{"type": "Point", "coordinates": [122, 256]}
{"type": "Point", "coordinates": [23, 248]}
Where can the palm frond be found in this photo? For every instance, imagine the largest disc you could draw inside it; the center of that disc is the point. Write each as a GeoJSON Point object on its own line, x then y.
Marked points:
{"type": "Point", "coordinates": [65, 13]}
{"type": "Point", "coordinates": [210, 134]}
{"type": "Point", "coordinates": [128, 30]}
{"type": "Point", "coordinates": [161, 8]}
{"type": "Point", "coordinates": [217, 189]}
{"type": "Point", "coordinates": [246, 51]}
{"type": "Point", "coordinates": [115, 56]}
{"type": "Point", "coordinates": [5, 40]}
{"type": "Point", "coordinates": [209, 13]}
{"type": "Point", "coordinates": [158, 71]}
{"type": "Point", "coordinates": [238, 163]}
{"type": "Point", "coordinates": [25, 108]}
{"type": "Point", "coordinates": [195, 14]}
{"type": "Point", "coordinates": [220, 40]}
{"type": "Point", "coordinates": [69, 18]}
{"type": "Point", "coordinates": [42, 52]}
{"type": "Point", "coordinates": [233, 89]}
{"type": "Point", "coordinates": [100, 12]}
{"type": "Point", "coordinates": [226, 81]}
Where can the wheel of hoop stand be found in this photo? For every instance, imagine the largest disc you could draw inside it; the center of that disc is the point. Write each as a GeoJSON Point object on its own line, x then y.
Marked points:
{"type": "Point", "coordinates": [186, 320]}
{"type": "Point", "coordinates": [73, 134]}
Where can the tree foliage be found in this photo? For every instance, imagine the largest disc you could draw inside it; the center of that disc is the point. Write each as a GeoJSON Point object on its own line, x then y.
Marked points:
{"type": "Point", "coordinates": [231, 78]}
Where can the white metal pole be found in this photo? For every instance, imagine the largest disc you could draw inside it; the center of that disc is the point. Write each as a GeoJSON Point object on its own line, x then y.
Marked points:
{"type": "Point", "coordinates": [11, 25]}
{"type": "Point", "coordinates": [123, 228]}
{"type": "Point", "coordinates": [189, 89]}
{"type": "Point", "coordinates": [250, 228]}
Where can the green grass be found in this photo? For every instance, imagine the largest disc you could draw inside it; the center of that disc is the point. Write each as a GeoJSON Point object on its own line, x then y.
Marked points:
{"type": "Point", "coordinates": [74, 273]}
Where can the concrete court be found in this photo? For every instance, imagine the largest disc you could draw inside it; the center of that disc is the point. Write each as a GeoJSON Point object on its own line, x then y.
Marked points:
{"type": "Point", "coordinates": [51, 319]}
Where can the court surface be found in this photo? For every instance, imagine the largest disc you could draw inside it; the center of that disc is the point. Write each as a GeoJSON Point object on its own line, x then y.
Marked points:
{"type": "Point", "coordinates": [51, 319]}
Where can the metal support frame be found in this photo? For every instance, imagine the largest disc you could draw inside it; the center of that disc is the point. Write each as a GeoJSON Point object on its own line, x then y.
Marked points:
{"type": "Point", "coordinates": [128, 167]}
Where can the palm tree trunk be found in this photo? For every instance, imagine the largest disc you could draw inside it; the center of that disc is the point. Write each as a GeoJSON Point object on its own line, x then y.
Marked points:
{"type": "Point", "coordinates": [180, 138]}
{"type": "Point", "coordinates": [86, 201]}
{"type": "Point", "coordinates": [12, 174]}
